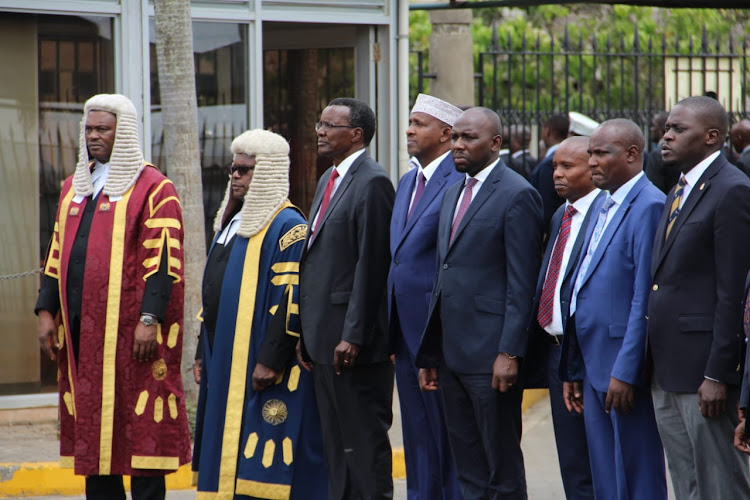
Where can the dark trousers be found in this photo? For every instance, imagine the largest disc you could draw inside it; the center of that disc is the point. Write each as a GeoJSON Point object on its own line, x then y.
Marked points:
{"type": "Point", "coordinates": [355, 415]}
{"type": "Point", "coordinates": [484, 428]}
{"type": "Point", "coordinates": [111, 488]}
{"type": "Point", "coordinates": [570, 436]}
{"type": "Point", "coordinates": [430, 469]}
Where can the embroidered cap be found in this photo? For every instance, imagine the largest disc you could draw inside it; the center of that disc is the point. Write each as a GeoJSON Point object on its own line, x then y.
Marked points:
{"type": "Point", "coordinates": [438, 108]}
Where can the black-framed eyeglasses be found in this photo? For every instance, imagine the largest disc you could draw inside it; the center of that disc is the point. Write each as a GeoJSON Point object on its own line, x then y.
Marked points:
{"type": "Point", "coordinates": [326, 126]}
{"type": "Point", "coordinates": [242, 169]}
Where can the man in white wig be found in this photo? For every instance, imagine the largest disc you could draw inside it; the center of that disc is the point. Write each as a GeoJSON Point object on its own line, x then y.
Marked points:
{"type": "Point", "coordinates": [110, 310]}
{"type": "Point", "coordinates": [257, 427]}
{"type": "Point", "coordinates": [430, 472]}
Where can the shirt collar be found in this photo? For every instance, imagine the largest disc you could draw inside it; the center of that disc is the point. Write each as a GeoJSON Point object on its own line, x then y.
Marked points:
{"type": "Point", "coordinates": [504, 152]}
{"type": "Point", "coordinates": [519, 153]}
{"type": "Point", "coordinates": [482, 175]}
{"type": "Point", "coordinates": [346, 163]}
{"type": "Point", "coordinates": [432, 167]}
{"type": "Point", "coordinates": [695, 173]}
{"type": "Point", "coordinates": [551, 150]}
{"type": "Point", "coordinates": [583, 203]}
{"type": "Point", "coordinates": [619, 195]}
{"type": "Point", "coordinates": [746, 149]}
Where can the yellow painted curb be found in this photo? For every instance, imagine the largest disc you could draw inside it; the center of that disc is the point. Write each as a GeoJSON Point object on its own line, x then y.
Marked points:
{"type": "Point", "coordinates": [48, 478]}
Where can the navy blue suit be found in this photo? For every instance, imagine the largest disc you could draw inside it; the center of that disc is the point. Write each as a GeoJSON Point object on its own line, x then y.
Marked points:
{"type": "Point", "coordinates": [542, 369]}
{"type": "Point", "coordinates": [430, 473]}
{"type": "Point", "coordinates": [609, 325]}
{"type": "Point", "coordinates": [480, 307]}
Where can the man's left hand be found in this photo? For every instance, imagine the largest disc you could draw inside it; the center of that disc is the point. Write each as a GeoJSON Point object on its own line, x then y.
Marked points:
{"type": "Point", "coordinates": [263, 377]}
{"type": "Point", "coordinates": [741, 440]}
{"type": "Point", "coordinates": [620, 396]}
{"type": "Point", "coordinates": [144, 343]}
{"type": "Point", "coordinates": [712, 398]}
{"type": "Point", "coordinates": [345, 354]}
{"type": "Point", "coordinates": [504, 373]}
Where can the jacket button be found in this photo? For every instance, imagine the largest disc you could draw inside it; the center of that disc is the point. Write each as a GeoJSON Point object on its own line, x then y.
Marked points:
{"type": "Point", "coordinates": [655, 287]}
{"type": "Point", "coordinates": [445, 266]}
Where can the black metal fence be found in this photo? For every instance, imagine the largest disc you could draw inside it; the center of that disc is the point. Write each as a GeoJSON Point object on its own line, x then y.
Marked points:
{"type": "Point", "coordinates": [527, 80]}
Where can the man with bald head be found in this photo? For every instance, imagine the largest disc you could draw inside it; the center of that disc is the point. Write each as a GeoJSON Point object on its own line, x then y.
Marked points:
{"type": "Point", "coordinates": [699, 263]}
{"type": "Point", "coordinates": [740, 136]}
{"type": "Point", "coordinates": [488, 249]}
{"type": "Point", "coordinates": [572, 181]}
{"type": "Point", "coordinates": [603, 352]}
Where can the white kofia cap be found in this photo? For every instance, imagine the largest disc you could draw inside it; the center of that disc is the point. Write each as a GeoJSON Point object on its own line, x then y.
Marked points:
{"type": "Point", "coordinates": [581, 124]}
{"type": "Point", "coordinates": [438, 108]}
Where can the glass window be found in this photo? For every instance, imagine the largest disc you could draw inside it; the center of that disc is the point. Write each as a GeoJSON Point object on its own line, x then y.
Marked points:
{"type": "Point", "coordinates": [70, 58]}
{"type": "Point", "coordinates": [220, 52]}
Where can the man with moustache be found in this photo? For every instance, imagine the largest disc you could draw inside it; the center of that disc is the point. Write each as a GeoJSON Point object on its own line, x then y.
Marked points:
{"type": "Point", "coordinates": [488, 248]}
{"type": "Point", "coordinates": [699, 263]}
{"type": "Point", "coordinates": [603, 352]}
{"type": "Point", "coordinates": [430, 472]}
{"type": "Point", "coordinates": [572, 179]}
{"type": "Point", "coordinates": [343, 305]}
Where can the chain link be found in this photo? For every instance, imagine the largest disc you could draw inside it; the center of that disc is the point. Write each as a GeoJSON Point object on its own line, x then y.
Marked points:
{"type": "Point", "coordinates": [21, 275]}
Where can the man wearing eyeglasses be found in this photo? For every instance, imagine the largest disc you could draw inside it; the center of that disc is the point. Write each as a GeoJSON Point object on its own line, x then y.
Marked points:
{"type": "Point", "coordinates": [343, 273]}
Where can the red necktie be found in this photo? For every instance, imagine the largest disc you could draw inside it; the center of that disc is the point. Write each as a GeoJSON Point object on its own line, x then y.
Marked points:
{"type": "Point", "coordinates": [420, 188]}
{"type": "Point", "coordinates": [464, 206]}
{"type": "Point", "coordinates": [547, 302]}
{"type": "Point", "coordinates": [326, 198]}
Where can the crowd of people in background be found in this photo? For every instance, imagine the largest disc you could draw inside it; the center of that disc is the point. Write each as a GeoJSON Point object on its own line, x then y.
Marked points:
{"type": "Point", "coordinates": [612, 271]}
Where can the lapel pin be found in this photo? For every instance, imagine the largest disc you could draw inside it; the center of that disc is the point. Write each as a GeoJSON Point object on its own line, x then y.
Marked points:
{"type": "Point", "coordinates": [702, 186]}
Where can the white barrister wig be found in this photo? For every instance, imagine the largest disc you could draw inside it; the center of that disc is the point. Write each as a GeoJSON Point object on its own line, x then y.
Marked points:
{"type": "Point", "coordinates": [269, 188]}
{"type": "Point", "coordinates": [438, 108]}
{"type": "Point", "coordinates": [126, 161]}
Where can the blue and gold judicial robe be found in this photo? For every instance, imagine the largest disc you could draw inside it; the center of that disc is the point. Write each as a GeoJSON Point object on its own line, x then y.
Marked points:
{"type": "Point", "coordinates": [258, 444]}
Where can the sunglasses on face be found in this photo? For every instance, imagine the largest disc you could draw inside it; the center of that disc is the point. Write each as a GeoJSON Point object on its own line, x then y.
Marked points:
{"type": "Point", "coordinates": [242, 169]}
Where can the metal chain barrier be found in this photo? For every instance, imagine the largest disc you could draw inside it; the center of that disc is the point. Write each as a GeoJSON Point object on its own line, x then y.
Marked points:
{"type": "Point", "coordinates": [21, 275]}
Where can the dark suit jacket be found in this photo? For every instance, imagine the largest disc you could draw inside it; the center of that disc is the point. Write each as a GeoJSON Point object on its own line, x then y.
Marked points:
{"type": "Point", "coordinates": [541, 179]}
{"type": "Point", "coordinates": [745, 394]}
{"type": "Point", "coordinates": [481, 301]}
{"type": "Point", "coordinates": [695, 306]}
{"type": "Point", "coordinates": [610, 317]}
{"type": "Point", "coordinates": [523, 164]}
{"type": "Point", "coordinates": [343, 271]}
{"type": "Point", "coordinates": [413, 251]}
{"type": "Point", "coordinates": [535, 364]}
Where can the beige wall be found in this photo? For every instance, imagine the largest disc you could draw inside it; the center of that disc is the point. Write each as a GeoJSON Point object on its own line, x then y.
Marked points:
{"type": "Point", "coordinates": [19, 200]}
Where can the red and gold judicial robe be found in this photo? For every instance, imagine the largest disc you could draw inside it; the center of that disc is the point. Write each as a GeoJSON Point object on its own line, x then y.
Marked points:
{"type": "Point", "coordinates": [119, 415]}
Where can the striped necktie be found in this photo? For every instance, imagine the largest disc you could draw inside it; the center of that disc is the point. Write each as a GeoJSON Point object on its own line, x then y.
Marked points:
{"type": "Point", "coordinates": [547, 302]}
{"type": "Point", "coordinates": [674, 209]}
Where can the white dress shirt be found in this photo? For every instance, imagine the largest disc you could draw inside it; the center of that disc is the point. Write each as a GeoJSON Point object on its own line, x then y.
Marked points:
{"type": "Point", "coordinates": [695, 173]}
{"type": "Point", "coordinates": [342, 168]}
{"type": "Point", "coordinates": [99, 176]}
{"type": "Point", "coordinates": [226, 234]}
{"type": "Point", "coordinates": [582, 206]}
{"type": "Point", "coordinates": [481, 176]}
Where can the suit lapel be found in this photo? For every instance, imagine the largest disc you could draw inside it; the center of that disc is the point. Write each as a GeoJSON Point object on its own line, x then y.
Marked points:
{"type": "Point", "coordinates": [431, 190]}
{"type": "Point", "coordinates": [485, 191]}
{"type": "Point", "coordinates": [695, 196]}
{"type": "Point", "coordinates": [446, 216]}
{"type": "Point", "coordinates": [401, 206]}
{"type": "Point", "coordinates": [345, 182]}
{"type": "Point", "coordinates": [611, 229]}
{"type": "Point", "coordinates": [575, 252]}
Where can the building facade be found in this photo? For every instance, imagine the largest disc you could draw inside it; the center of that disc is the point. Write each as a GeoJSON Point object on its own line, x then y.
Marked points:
{"type": "Point", "coordinates": [258, 63]}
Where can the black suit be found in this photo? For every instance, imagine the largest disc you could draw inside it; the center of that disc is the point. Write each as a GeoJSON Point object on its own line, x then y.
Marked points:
{"type": "Point", "coordinates": [343, 273]}
{"type": "Point", "coordinates": [695, 328]}
{"type": "Point", "coordinates": [480, 306]}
